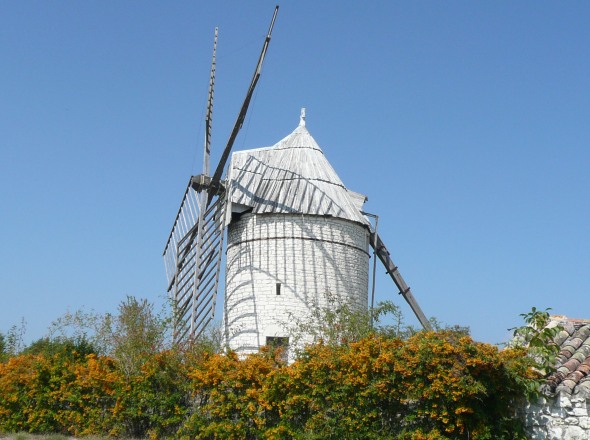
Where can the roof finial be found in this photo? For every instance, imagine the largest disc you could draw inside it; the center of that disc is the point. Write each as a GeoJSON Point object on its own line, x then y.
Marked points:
{"type": "Point", "coordinates": [302, 118]}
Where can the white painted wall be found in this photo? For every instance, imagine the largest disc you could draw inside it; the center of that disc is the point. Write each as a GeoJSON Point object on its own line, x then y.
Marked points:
{"type": "Point", "coordinates": [308, 255]}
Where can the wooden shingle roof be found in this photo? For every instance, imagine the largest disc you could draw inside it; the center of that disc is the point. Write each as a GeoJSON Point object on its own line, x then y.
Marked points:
{"type": "Point", "coordinates": [572, 375]}
{"type": "Point", "coordinates": [291, 177]}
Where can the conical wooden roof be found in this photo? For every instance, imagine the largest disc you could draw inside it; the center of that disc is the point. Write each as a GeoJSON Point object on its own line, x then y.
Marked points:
{"type": "Point", "coordinates": [291, 177]}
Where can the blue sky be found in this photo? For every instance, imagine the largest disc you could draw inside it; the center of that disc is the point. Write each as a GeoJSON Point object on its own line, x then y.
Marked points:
{"type": "Point", "coordinates": [465, 123]}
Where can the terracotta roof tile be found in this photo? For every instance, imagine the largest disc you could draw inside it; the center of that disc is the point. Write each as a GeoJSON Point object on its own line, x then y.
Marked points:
{"type": "Point", "coordinates": [572, 373]}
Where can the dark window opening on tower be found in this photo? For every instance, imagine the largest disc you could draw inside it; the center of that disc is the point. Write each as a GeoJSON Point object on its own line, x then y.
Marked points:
{"type": "Point", "coordinates": [278, 288]}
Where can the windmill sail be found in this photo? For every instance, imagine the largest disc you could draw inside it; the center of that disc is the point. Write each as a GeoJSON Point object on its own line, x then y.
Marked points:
{"type": "Point", "coordinates": [195, 246]}
{"type": "Point", "coordinates": [193, 252]}
{"type": "Point", "coordinates": [242, 115]}
{"type": "Point", "coordinates": [193, 262]}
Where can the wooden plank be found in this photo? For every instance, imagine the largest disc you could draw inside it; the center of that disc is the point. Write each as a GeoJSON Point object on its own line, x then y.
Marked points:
{"type": "Point", "coordinates": [383, 254]}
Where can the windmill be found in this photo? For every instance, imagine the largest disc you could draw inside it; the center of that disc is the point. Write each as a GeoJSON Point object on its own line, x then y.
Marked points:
{"type": "Point", "coordinates": [294, 232]}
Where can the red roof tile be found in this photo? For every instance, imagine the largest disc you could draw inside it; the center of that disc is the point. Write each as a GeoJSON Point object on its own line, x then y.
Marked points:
{"type": "Point", "coordinates": [573, 361]}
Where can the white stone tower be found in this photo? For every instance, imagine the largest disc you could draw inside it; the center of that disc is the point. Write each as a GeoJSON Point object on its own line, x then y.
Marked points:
{"type": "Point", "coordinates": [295, 234]}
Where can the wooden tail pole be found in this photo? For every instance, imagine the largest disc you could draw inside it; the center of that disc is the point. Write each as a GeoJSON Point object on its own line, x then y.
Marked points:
{"type": "Point", "coordinates": [397, 278]}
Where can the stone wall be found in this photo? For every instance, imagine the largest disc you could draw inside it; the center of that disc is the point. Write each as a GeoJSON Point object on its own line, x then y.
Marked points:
{"type": "Point", "coordinates": [563, 417]}
{"type": "Point", "coordinates": [304, 256]}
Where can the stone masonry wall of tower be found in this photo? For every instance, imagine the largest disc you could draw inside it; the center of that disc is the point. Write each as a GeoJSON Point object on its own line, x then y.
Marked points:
{"type": "Point", "coordinates": [307, 255]}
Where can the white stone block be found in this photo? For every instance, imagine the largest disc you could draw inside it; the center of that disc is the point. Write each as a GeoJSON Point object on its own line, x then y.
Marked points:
{"type": "Point", "coordinates": [538, 433]}
{"type": "Point", "coordinates": [574, 433]}
{"type": "Point", "coordinates": [555, 433]}
{"type": "Point", "coordinates": [563, 400]}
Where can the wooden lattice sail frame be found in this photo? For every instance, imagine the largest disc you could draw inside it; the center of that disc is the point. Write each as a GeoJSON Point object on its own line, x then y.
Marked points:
{"type": "Point", "coordinates": [194, 249]}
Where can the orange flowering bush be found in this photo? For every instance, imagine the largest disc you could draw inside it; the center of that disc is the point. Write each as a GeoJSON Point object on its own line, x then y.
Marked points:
{"type": "Point", "coordinates": [459, 387]}
{"type": "Point", "coordinates": [17, 377]}
{"type": "Point", "coordinates": [341, 391]}
{"type": "Point", "coordinates": [431, 386]}
{"type": "Point", "coordinates": [64, 394]}
{"type": "Point", "coordinates": [231, 396]}
{"type": "Point", "coordinates": [155, 401]}
{"type": "Point", "coordinates": [439, 385]}
{"type": "Point", "coordinates": [87, 400]}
